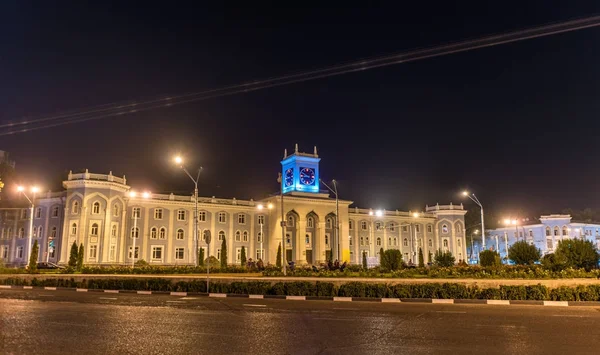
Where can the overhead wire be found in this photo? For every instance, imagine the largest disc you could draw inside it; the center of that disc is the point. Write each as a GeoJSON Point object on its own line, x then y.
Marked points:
{"type": "Point", "coordinates": [117, 109]}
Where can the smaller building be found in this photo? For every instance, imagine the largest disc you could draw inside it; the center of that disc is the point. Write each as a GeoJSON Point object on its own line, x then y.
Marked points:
{"type": "Point", "coordinates": [545, 235]}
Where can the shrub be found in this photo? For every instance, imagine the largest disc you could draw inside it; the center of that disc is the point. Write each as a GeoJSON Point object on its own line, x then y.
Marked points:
{"type": "Point", "coordinates": [201, 257]}
{"type": "Point", "coordinates": [141, 263]}
{"type": "Point", "coordinates": [391, 259]}
{"type": "Point", "coordinates": [278, 260]}
{"type": "Point", "coordinates": [489, 258]}
{"type": "Point", "coordinates": [444, 259]}
{"type": "Point", "coordinates": [523, 253]}
{"type": "Point", "coordinates": [421, 259]}
{"type": "Point", "coordinates": [80, 257]}
{"type": "Point", "coordinates": [34, 257]}
{"type": "Point", "coordinates": [243, 256]}
{"type": "Point", "coordinates": [224, 253]}
{"type": "Point", "coordinates": [578, 253]}
{"type": "Point", "coordinates": [73, 255]}
{"type": "Point", "coordinates": [554, 262]}
{"type": "Point", "coordinates": [364, 261]}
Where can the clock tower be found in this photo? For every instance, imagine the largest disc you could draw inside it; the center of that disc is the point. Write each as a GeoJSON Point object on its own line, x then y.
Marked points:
{"type": "Point", "coordinates": [300, 172]}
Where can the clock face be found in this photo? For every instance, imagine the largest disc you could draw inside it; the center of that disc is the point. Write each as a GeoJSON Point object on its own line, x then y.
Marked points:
{"type": "Point", "coordinates": [307, 176]}
{"type": "Point", "coordinates": [289, 177]}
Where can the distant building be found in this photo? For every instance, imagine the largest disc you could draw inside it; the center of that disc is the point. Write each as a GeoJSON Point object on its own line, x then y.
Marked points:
{"type": "Point", "coordinates": [4, 159]}
{"type": "Point", "coordinates": [545, 235]}
{"type": "Point", "coordinates": [97, 210]}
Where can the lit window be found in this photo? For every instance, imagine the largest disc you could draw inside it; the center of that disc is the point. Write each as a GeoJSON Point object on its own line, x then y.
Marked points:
{"type": "Point", "coordinates": [153, 233]}
{"type": "Point", "coordinates": [135, 232]}
{"type": "Point", "coordinates": [363, 225]}
{"type": "Point", "coordinates": [429, 228]}
{"type": "Point", "coordinates": [35, 234]}
{"type": "Point", "coordinates": [350, 224]}
{"type": "Point", "coordinates": [237, 236]}
{"type": "Point", "coordinates": [93, 251]}
{"type": "Point", "coordinates": [181, 215]}
{"type": "Point", "coordinates": [202, 216]}
{"type": "Point", "coordinates": [158, 213]}
{"type": "Point", "coordinates": [74, 229]}
{"type": "Point", "coordinates": [405, 242]}
{"type": "Point", "coordinates": [137, 252]}
{"type": "Point", "coordinates": [259, 237]}
{"type": "Point", "coordinates": [179, 253]}
{"type": "Point", "coordinates": [75, 207]}
{"type": "Point", "coordinates": [245, 236]}
{"type": "Point", "coordinates": [261, 219]}
{"type": "Point", "coordinates": [445, 229]}
{"type": "Point", "coordinates": [241, 218]}
{"type": "Point", "coordinates": [137, 212]}
{"type": "Point", "coordinates": [180, 234]}
{"type": "Point", "coordinates": [310, 222]}
{"type": "Point", "coordinates": [162, 233]}
{"type": "Point", "coordinates": [94, 230]}
{"type": "Point", "coordinates": [221, 236]}
{"type": "Point", "coordinates": [222, 217]}
{"type": "Point", "coordinates": [378, 242]}
{"type": "Point", "coordinates": [157, 253]}
{"type": "Point", "coordinates": [113, 230]}
{"type": "Point", "coordinates": [96, 208]}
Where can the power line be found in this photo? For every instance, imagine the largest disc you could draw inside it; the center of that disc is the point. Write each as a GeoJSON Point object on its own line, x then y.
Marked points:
{"type": "Point", "coordinates": [117, 109]}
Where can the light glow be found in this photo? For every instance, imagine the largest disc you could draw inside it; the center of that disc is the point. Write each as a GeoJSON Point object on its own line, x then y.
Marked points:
{"type": "Point", "coordinates": [270, 206]}
{"type": "Point", "coordinates": [20, 188]}
{"type": "Point", "coordinates": [370, 213]}
{"type": "Point", "coordinates": [132, 193]}
{"type": "Point", "coordinates": [146, 194]}
{"type": "Point", "coordinates": [260, 207]}
{"type": "Point", "coordinates": [465, 193]}
{"type": "Point", "coordinates": [416, 215]}
{"type": "Point", "coordinates": [379, 213]}
{"type": "Point", "coordinates": [35, 189]}
{"type": "Point", "coordinates": [178, 159]}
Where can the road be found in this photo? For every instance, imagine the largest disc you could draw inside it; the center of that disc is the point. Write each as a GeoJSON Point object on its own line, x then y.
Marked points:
{"type": "Point", "coordinates": [56, 322]}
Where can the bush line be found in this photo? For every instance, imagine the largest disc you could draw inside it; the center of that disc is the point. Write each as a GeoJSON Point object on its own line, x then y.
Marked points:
{"type": "Point", "coordinates": [328, 289]}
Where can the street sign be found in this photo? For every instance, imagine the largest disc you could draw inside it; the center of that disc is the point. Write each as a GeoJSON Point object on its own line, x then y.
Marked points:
{"type": "Point", "coordinates": [207, 236]}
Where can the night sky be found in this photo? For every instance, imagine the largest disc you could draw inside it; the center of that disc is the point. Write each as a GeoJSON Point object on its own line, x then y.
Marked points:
{"type": "Point", "coordinates": [514, 123]}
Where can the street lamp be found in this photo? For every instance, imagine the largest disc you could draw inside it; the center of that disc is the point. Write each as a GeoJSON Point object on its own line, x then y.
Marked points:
{"type": "Point", "coordinates": [179, 161]}
{"type": "Point", "coordinates": [135, 214]}
{"type": "Point", "coordinates": [337, 216]}
{"type": "Point", "coordinates": [31, 200]}
{"type": "Point", "coordinates": [476, 200]}
{"type": "Point", "coordinates": [262, 234]}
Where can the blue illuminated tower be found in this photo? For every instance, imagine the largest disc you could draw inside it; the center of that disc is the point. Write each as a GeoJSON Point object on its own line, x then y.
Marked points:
{"type": "Point", "coordinates": [300, 172]}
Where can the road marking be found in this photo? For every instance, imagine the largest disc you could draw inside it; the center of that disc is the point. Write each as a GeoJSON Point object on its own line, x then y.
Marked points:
{"type": "Point", "coordinates": [107, 298]}
{"type": "Point", "coordinates": [256, 296]}
{"type": "Point", "coordinates": [190, 298]}
{"type": "Point", "coordinates": [556, 303]}
{"type": "Point", "coordinates": [254, 305]}
{"type": "Point", "coordinates": [461, 312]}
{"type": "Point", "coordinates": [439, 300]}
{"type": "Point", "coordinates": [5, 286]}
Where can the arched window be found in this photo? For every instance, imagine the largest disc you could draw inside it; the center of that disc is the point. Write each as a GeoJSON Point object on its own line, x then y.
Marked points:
{"type": "Point", "coordinates": [113, 230]}
{"type": "Point", "coordinates": [162, 233]}
{"type": "Point", "coordinates": [378, 242]}
{"type": "Point", "coordinates": [237, 236]}
{"type": "Point", "coordinates": [75, 207]}
{"type": "Point", "coordinates": [444, 229]}
{"type": "Point", "coordinates": [290, 221]}
{"type": "Point", "coordinates": [556, 231]}
{"type": "Point", "coordinates": [310, 222]}
{"type": "Point", "coordinates": [94, 229]}
{"type": "Point", "coordinates": [153, 231]}
{"type": "Point", "coordinates": [389, 240]}
{"type": "Point", "coordinates": [221, 235]}
{"type": "Point", "coordinates": [458, 228]}
{"type": "Point", "coordinates": [21, 232]}
{"type": "Point", "coordinates": [40, 231]}
{"type": "Point", "coordinates": [74, 229]}
{"type": "Point", "coordinates": [458, 242]}
{"type": "Point", "coordinates": [362, 241]}
{"type": "Point", "coordinates": [52, 232]}
{"type": "Point", "coordinates": [116, 210]}
{"type": "Point", "coordinates": [307, 239]}
{"type": "Point", "coordinates": [564, 231]}
{"type": "Point", "coordinates": [326, 239]}
{"type": "Point", "coordinates": [35, 234]}
{"type": "Point", "coordinates": [180, 234]}
{"type": "Point", "coordinates": [96, 208]}
{"type": "Point", "coordinates": [259, 237]}
{"type": "Point", "coordinates": [445, 243]}
{"type": "Point", "coordinates": [245, 236]}
{"type": "Point", "coordinates": [329, 223]}
{"type": "Point", "coordinates": [430, 243]}
{"type": "Point", "coordinates": [135, 232]}
{"type": "Point", "coordinates": [547, 231]}
{"type": "Point", "coordinates": [405, 242]}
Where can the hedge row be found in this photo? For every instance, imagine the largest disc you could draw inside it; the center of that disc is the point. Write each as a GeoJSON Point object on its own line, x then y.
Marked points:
{"type": "Point", "coordinates": [327, 289]}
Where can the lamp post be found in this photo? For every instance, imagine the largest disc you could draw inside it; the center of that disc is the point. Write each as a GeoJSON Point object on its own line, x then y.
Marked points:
{"type": "Point", "coordinates": [262, 234]}
{"type": "Point", "coordinates": [476, 200]}
{"type": "Point", "coordinates": [135, 215]}
{"type": "Point", "coordinates": [337, 216]}
{"type": "Point", "coordinates": [31, 200]}
{"type": "Point", "coordinates": [472, 245]}
{"type": "Point", "coordinates": [179, 161]}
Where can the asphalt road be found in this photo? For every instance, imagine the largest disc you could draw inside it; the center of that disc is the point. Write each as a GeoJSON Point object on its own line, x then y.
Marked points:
{"type": "Point", "coordinates": [56, 322]}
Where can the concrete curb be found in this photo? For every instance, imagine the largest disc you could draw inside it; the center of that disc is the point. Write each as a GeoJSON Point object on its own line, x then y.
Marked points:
{"type": "Point", "coordinates": [324, 298]}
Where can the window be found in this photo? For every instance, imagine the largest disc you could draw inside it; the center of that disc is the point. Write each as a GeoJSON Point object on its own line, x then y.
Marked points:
{"type": "Point", "coordinates": [350, 241]}
{"type": "Point", "coordinates": [113, 252]}
{"type": "Point", "coordinates": [9, 233]}
{"type": "Point", "coordinates": [444, 229]}
{"type": "Point", "coordinates": [458, 242]}
{"type": "Point", "coordinates": [378, 241]}
{"type": "Point", "coordinates": [153, 232]}
{"type": "Point", "coordinates": [430, 243]}
{"type": "Point", "coordinates": [137, 252]}
{"type": "Point", "coordinates": [405, 228]}
{"type": "Point", "coordinates": [93, 252]}
{"type": "Point", "coordinates": [406, 256]}
{"type": "Point", "coordinates": [2, 233]}
{"type": "Point", "coordinates": [162, 233]}
{"type": "Point", "coordinates": [547, 231]}
{"type": "Point", "coordinates": [21, 232]}
{"type": "Point", "coordinates": [310, 222]}
{"type": "Point", "coordinates": [94, 230]}
{"type": "Point", "coordinates": [135, 232]}
{"type": "Point", "coordinates": [363, 225]}
{"type": "Point", "coordinates": [241, 218]}
{"type": "Point", "coordinates": [221, 236]}
{"type": "Point", "coordinates": [245, 236]}
{"type": "Point", "coordinates": [113, 230]}
{"type": "Point", "coordinates": [389, 241]}
{"type": "Point", "coordinates": [531, 233]}
{"type": "Point", "coordinates": [158, 213]}
{"type": "Point", "coordinates": [219, 254]}
{"type": "Point", "coordinates": [549, 243]}
{"type": "Point", "coordinates": [307, 239]}
{"type": "Point", "coordinates": [75, 207]}
{"type": "Point", "coordinates": [38, 212]}
{"type": "Point", "coordinates": [23, 214]}
{"type": "Point", "coordinates": [259, 237]}
{"type": "Point", "coordinates": [445, 243]}
{"type": "Point", "coordinates": [521, 235]}
{"type": "Point", "coordinates": [429, 228]}
{"type": "Point", "coordinates": [405, 242]}
{"type": "Point", "coordinates": [417, 228]}
{"type": "Point", "coordinates": [157, 252]}
{"type": "Point", "coordinates": [96, 208]}
{"type": "Point", "coordinates": [260, 254]}
{"type": "Point", "coordinates": [222, 217]}
{"type": "Point", "coordinates": [420, 242]}
{"type": "Point", "coordinates": [178, 253]}
{"type": "Point", "coordinates": [40, 229]}
{"type": "Point", "coordinates": [237, 236]}
{"type": "Point", "coordinates": [288, 239]}
{"type": "Point", "coordinates": [238, 254]}
{"type": "Point", "coordinates": [52, 232]}
{"type": "Point", "coordinates": [392, 227]}
{"type": "Point", "coordinates": [362, 241]}
{"type": "Point", "coordinates": [556, 231]}
{"type": "Point", "coordinates": [261, 219]}
{"type": "Point", "coordinates": [329, 223]}
{"type": "Point", "coordinates": [5, 252]}
{"type": "Point", "coordinates": [35, 234]}
{"type": "Point", "coordinates": [180, 234]}
{"type": "Point", "coordinates": [564, 231]}
{"type": "Point", "coordinates": [20, 252]}
{"type": "Point", "coordinates": [290, 221]}
{"type": "Point", "coordinates": [116, 210]}
{"type": "Point", "coordinates": [458, 228]}
{"type": "Point", "coordinates": [326, 239]}
{"type": "Point", "coordinates": [137, 212]}
{"type": "Point", "coordinates": [350, 224]}
{"type": "Point", "coordinates": [202, 216]}
{"type": "Point", "coordinates": [378, 226]}
{"type": "Point", "coordinates": [181, 215]}
{"type": "Point", "coordinates": [74, 229]}
{"type": "Point", "coordinates": [395, 241]}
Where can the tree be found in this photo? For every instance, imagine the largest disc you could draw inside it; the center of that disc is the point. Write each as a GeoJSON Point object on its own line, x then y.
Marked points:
{"type": "Point", "coordinates": [34, 256]}
{"type": "Point", "coordinates": [444, 259]}
{"type": "Point", "coordinates": [224, 253]}
{"type": "Point", "coordinates": [278, 261]}
{"type": "Point", "coordinates": [523, 253]}
{"type": "Point", "coordinates": [73, 256]}
{"type": "Point", "coordinates": [391, 260]}
{"type": "Point", "coordinates": [489, 258]}
{"type": "Point", "coordinates": [421, 258]}
{"type": "Point", "coordinates": [364, 260]}
{"type": "Point", "coordinates": [577, 253]}
{"type": "Point", "coordinates": [80, 257]}
{"type": "Point", "coordinates": [554, 262]}
{"type": "Point", "coordinates": [429, 257]}
{"type": "Point", "coordinates": [201, 257]}
{"type": "Point", "coordinates": [243, 256]}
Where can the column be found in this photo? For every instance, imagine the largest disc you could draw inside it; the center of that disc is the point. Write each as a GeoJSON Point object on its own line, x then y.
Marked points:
{"type": "Point", "coordinates": [121, 256]}
{"type": "Point", "coordinates": [301, 243]}
{"type": "Point", "coordinates": [64, 240]}
{"type": "Point", "coordinates": [230, 249]}
{"type": "Point", "coordinates": [319, 253]}
{"type": "Point", "coordinates": [104, 238]}
{"type": "Point", "coordinates": [170, 237]}
{"type": "Point", "coordinates": [251, 252]}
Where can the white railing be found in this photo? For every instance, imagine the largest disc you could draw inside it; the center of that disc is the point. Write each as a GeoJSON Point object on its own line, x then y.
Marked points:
{"type": "Point", "coordinates": [213, 200]}
{"type": "Point", "coordinates": [99, 177]}
{"type": "Point", "coordinates": [444, 207]}
{"type": "Point", "coordinates": [386, 213]}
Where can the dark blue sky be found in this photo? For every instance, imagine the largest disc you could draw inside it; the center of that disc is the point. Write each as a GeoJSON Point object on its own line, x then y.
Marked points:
{"type": "Point", "coordinates": [515, 123]}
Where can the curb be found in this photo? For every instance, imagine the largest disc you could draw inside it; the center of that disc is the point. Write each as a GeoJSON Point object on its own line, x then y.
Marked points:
{"type": "Point", "coordinates": [323, 298]}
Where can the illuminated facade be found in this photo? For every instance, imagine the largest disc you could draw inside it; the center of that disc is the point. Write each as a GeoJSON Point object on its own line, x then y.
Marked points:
{"type": "Point", "coordinates": [97, 210]}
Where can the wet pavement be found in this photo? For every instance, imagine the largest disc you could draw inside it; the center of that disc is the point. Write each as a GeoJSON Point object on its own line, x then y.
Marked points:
{"type": "Point", "coordinates": [56, 322]}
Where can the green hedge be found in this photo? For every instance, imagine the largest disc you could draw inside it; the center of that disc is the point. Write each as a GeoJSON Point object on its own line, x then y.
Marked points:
{"type": "Point", "coordinates": [327, 289]}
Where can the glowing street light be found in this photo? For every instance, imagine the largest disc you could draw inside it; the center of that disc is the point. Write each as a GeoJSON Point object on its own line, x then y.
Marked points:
{"type": "Point", "coordinates": [379, 213]}
{"type": "Point", "coordinates": [476, 200]}
{"type": "Point", "coordinates": [178, 159]}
